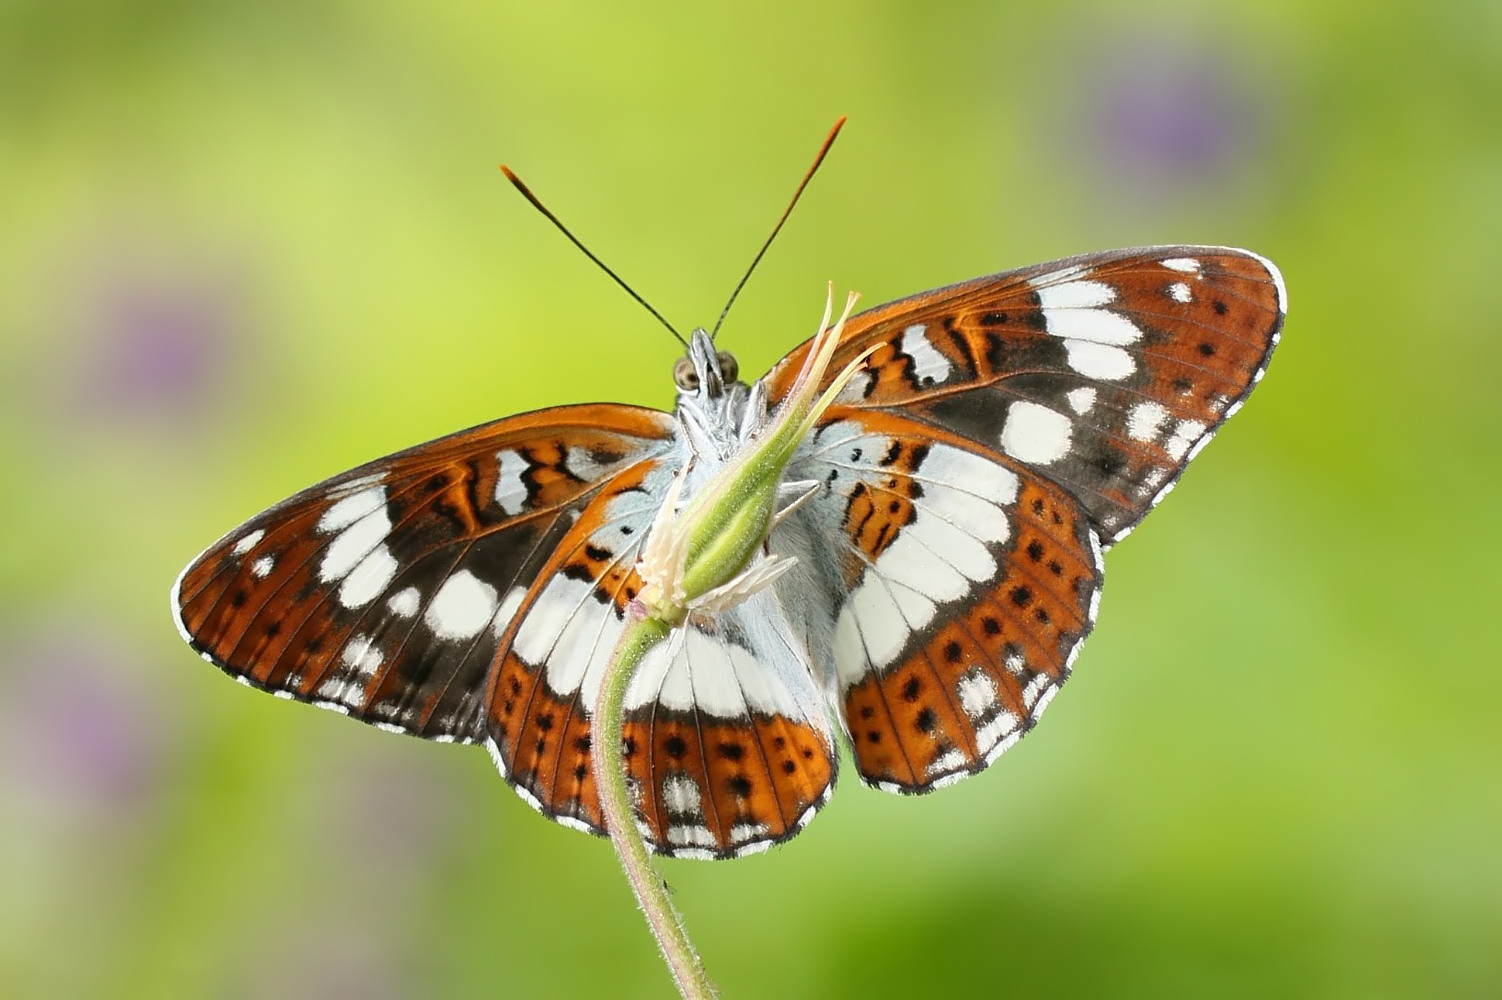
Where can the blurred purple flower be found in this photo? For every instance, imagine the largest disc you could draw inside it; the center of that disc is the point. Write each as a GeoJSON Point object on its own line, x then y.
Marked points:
{"type": "Point", "coordinates": [77, 730]}
{"type": "Point", "coordinates": [393, 810]}
{"type": "Point", "coordinates": [327, 960]}
{"type": "Point", "coordinates": [155, 347]}
{"type": "Point", "coordinates": [148, 329]}
{"type": "Point", "coordinates": [354, 910]}
{"type": "Point", "coordinates": [152, 346]}
{"type": "Point", "coordinates": [1159, 113]}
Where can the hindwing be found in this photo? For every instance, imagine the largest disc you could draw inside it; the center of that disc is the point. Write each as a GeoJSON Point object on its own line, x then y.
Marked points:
{"type": "Point", "coordinates": [967, 585]}
{"type": "Point", "coordinates": [727, 742]}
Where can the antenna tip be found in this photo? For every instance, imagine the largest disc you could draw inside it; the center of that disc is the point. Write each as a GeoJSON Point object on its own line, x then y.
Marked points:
{"type": "Point", "coordinates": [516, 182]}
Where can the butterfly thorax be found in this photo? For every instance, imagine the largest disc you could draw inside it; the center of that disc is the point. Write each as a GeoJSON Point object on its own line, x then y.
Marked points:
{"type": "Point", "coordinates": [716, 412]}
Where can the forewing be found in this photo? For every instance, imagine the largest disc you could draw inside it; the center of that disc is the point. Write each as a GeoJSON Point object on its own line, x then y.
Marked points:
{"type": "Point", "coordinates": [1104, 373]}
{"type": "Point", "coordinates": [383, 593]}
{"type": "Point", "coordinates": [968, 584]}
{"type": "Point", "coordinates": [726, 739]}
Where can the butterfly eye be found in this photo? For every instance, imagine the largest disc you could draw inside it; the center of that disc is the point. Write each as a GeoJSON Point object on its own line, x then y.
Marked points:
{"type": "Point", "coordinates": [730, 369]}
{"type": "Point", "coordinates": [684, 375]}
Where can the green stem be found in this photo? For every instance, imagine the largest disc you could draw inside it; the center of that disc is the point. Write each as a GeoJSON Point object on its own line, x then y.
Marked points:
{"type": "Point", "coordinates": [641, 634]}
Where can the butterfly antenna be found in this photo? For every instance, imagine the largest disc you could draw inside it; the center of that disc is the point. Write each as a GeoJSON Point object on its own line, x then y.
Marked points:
{"type": "Point", "coordinates": [527, 194]}
{"type": "Point", "coordinates": [823, 151]}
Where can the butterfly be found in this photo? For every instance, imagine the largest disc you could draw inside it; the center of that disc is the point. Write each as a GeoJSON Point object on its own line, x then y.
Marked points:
{"type": "Point", "coordinates": [961, 490]}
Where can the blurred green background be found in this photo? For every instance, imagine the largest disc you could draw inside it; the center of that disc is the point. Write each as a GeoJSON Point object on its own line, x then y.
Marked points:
{"type": "Point", "coordinates": [247, 246]}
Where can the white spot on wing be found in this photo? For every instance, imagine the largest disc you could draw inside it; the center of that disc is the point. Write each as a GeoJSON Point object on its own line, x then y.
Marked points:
{"type": "Point", "coordinates": [675, 689]}
{"type": "Point", "coordinates": [495, 755]}
{"type": "Point", "coordinates": [1145, 419]}
{"type": "Point", "coordinates": [529, 798]}
{"type": "Point", "coordinates": [935, 558]}
{"type": "Point", "coordinates": [573, 634]}
{"type": "Point", "coordinates": [964, 509]}
{"type": "Point", "coordinates": [1180, 292]}
{"type": "Point", "coordinates": [977, 693]}
{"type": "Point", "coordinates": [681, 796]}
{"type": "Point", "coordinates": [352, 509]}
{"type": "Point", "coordinates": [508, 609]}
{"type": "Point", "coordinates": [878, 621]}
{"type": "Point", "coordinates": [957, 547]}
{"type": "Point", "coordinates": [462, 607]}
{"type": "Point", "coordinates": [925, 571]}
{"type": "Point", "coordinates": [855, 390]}
{"type": "Point", "coordinates": [1099, 326]}
{"type": "Point", "coordinates": [1005, 744]}
{"type": "Point", "coordinates": [338, 693]}
{"type": "Point", "coordinates": [1184, 435]}
{"type": "Point", "coordinates": [1062, 274]}
{"type": "Point", "coordinates": [369, 578]}
{"type": "Point", "coordinates": [573, 823]}
{"type": "Point", "coordinates": [357, 537]}
{"type": "Point", "coordinates": [361, 656]}
{"type": "Point", "coordinates": [546, 618]}
{"type": "Point", "coordinates": [1101, 361]}
{"type": "Point", "coordinates": [714, 674]}
{"type": "Point", "coordinates": [247, 543]}
{"type": "Point", "coordinates": [691, 836]}
{"type": "Point", "coordinates": [998, 727]}
{"type": "Point", "coordinates": [1034, 433]}
{"type": "Point", "coordinates": [358, 483]}
{"type": "Point", "coordinates": [759, 682]}
{"type": "Point", "coordinates": [1044, 699]}
{"type": "Point", "coordinates": [1076, 295]}
{"type": "Point", "coordinates": [262, 567]}
{"type": "Point", "coordinates": [694, 670]}
{"type": "Point", "coordinates": [404, 602]}
{"type": "Point", "coordinates": [748, 831]}
{"type": "Point", "coordinates": [1186, 264]}
{"type": "Point", "coordinates": [1080, 400]}
{"type": "Point", "coordinates": [969, 471]}
{"type": "Point", "coordinates": [510, 491]}
{"type": "Point", "coordinates": [849, 652]}
{"type": "Point", "coordinates": [1033, 690]}
{"type": "Point", "coordinates": [948, 762]}
{"type": "Point", "coordinates": [917, 610]}
{"type": "Point", "coordinates": [929, 365]}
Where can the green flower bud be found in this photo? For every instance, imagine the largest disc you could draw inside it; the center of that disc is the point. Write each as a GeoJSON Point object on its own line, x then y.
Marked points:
{"type": "Point", "coordinates": [706, 557]}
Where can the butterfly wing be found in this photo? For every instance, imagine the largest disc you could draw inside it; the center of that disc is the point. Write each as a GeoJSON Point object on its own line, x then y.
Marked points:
{"type": "Point", "coordinates": [1105, 373]}
{"type": "Point", "coordinates": [472, 589]}
{"type": "Point", "coordinates": [383, 593]}
{"type": "Point", "coordinates": [1004, 432]}
{"type": "Point", "coordinates": [727, 743]}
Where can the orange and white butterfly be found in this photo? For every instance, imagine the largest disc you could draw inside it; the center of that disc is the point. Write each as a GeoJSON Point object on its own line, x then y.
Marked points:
{"type": "Point", "coordinates": [1002, 434]}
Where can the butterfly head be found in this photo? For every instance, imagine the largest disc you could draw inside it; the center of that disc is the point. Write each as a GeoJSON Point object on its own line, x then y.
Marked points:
{"type": "Point", "coordinates": [712, 401]}
{"type": "Point", "coordinates": [705, 371]}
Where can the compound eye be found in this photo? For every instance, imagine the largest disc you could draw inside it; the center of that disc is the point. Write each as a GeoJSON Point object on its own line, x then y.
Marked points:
{"type": "Point", "coordinates": [730, 369]}
{"type": "Point", "coordinates": [684, 375]}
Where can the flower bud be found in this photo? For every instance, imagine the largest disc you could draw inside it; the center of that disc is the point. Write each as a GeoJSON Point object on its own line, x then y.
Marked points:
{"type": "Point", "coordinates": [702, 558]}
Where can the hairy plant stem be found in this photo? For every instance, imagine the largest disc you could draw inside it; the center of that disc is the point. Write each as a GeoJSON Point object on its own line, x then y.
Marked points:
{"type": "Point", "coordinates": [643, 631]}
